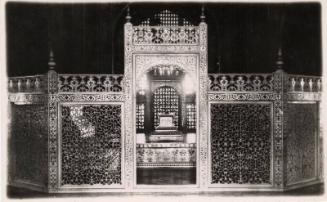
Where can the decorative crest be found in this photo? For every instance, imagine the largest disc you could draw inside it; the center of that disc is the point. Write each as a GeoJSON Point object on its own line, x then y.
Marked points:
{"type": "Point", "coordinates": [166, 18]}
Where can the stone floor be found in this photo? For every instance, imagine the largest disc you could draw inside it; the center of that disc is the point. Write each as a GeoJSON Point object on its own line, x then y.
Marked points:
{"type": "Point", "coordinates": [166, 176]}
{"type": "Point", "coordinates": [21, 193]}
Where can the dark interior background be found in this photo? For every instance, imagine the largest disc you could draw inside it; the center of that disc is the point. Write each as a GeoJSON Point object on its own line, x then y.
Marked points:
{"type": "Point", "coordinates": [88, 38]}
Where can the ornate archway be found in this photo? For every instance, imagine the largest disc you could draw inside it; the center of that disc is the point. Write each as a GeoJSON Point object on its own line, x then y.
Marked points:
{"type": "Point", "coordinates": [172, 43]}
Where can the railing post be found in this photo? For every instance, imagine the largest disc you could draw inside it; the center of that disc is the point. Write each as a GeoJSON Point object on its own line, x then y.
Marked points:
{"type": "Point", "coordinates": [203, 103]}
{"type": "Point", "coordinates": [279, 107]}
{"type": "Point", "coordinates": [278, 127]}
{"type": "Point", "coordinates": [52, 90]}
{"type": "Point", "coordinates": [129, 155]}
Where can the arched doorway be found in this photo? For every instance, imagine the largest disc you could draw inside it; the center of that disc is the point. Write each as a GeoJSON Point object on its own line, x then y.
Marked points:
{"type": "Point", "coordinates": [183, 46]}
{"type": "Point", "coordinates": [165, 152]}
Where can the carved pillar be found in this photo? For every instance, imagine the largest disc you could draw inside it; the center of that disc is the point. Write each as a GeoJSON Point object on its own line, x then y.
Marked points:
{"type": "Point", "coordinates": [129, 108]}
{"type": "Point", "coordinates": [53, 177]}
{"type": "Point", "coordinates": [278, 127]}
{"type": "Point", "coordinates": [203, 109]}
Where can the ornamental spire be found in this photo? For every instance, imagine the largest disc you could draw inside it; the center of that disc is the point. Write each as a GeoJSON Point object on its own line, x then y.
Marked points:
{"type": "Point", "coordinates": [51, 62]}
{"type": "Point", "coordinates": [128, 16]}
{"type": "Point", "coordinates": [202, 17]}
{"type": "Point", "coordinates": [280, 62]}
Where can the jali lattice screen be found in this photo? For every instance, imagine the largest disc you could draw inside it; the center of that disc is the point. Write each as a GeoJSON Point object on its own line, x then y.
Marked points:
{"type": "Point", "coordinates": [300, 148]}
{"type": "Point", "coordinates": [166, 100]}
{"type": "Point", "coordinates": [28, 144]}
{"type": "Point", "coordinates": [240, 143]}
{"type": "Point", "coordinates": [91, 144]}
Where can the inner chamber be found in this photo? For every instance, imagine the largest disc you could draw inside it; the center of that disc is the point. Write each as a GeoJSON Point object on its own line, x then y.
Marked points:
{"type": "Point", "coordinates": [166, 127]}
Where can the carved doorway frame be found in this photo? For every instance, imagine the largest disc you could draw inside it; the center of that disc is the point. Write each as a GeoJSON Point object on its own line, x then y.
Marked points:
{"type": "Point", "coordinates": [140, 58]}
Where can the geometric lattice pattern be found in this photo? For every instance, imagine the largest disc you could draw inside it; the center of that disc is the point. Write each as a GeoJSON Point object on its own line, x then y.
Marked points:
{"type": "Point", "coordinates": [140, 116]}
{"type": "Point", "coordinates": [91, 144]}
{"type": "Point", "coordinates": [165, 100]}
{"type": "Point", "coordinates": [240, 143]}
{"type": "Point", "coordinates": [243, 82]}
{"type": "Point", "coordinates": [28, 145]}
{"type": "Point", "coordinates": [90, 83]}
{"type": "Point", "coordinates": [190, 116]}
{"type": "Point", "coordinates": [301, 142]}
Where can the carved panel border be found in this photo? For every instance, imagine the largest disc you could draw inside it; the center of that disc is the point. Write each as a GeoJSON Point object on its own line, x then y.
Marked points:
{"type": "Point", "coordinates": [100, 97]}
{"type": "Point", "coordinates": [303, 96]}
{"type": "Point", "coordinates": [167, 48]}
{"type": "Point", "coordinates": [25, 99]}
{"type": "Point", "coordinates": [241, 96]}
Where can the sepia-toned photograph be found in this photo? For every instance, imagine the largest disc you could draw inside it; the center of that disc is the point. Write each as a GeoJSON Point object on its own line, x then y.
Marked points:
{"type": "Point", "coordinates": [161, 98]}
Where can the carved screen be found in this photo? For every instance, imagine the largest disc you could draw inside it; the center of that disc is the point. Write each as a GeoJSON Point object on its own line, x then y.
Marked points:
{"type": "Point", "coordinates": [140, 116]}
{"type": "Point", "coordinates": [240, 143]}
{"type": "Point", "coordinates": [190, 116]}
{"type": "Point", "coordinates": [91, 144]}
{"type": "Point", "coordinates": [28, 143]}
{"type": "Point", "coordinates": [165, 100]}
{"type": "Point", "coordinates": [300, 147]}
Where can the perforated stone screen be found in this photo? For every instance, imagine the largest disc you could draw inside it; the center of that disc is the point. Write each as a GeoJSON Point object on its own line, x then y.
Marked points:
{"type": "Point", "coordinates": [91, 144]}
{"type": "Point", "coordinates": [240, 143]}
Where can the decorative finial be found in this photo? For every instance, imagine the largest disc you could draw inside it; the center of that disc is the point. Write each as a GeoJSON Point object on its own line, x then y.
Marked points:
{"type": "Point", "coordinates": [219, 64]}
{"type": "Point", "coordinates": [202, 17]}
{"type": "Point", "coordinates": [128, 16]}
{"type": "Point", "coordinates": [280, 61]}
{"type": "Point", "coordinates": [51, 62]}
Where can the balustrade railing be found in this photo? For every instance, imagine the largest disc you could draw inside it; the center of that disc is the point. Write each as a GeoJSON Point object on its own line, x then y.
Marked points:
{"type": "Point", "coordinates": [68, 83]}
{"type": "Point", "coordinates": [240, 82]}
{"type": "Point", "coordinates": [302, 83]}
{"type": "Point", "coordinates": [26, 84]}
{"type": "Point", "coordinates": [143, 35]}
